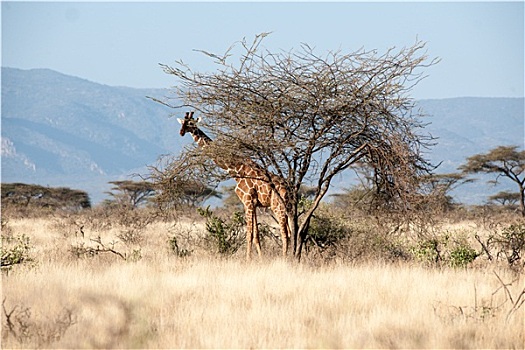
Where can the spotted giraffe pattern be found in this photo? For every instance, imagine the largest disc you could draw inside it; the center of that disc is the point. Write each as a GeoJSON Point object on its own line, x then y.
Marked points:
{"type": "Point", "coordinates": [253, 189]}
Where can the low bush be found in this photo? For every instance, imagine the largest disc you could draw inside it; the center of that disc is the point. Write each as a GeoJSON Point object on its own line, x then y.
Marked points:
{"type": "Point", "coordinates": [507, 244]}
{"type": "Point", "coordinates": [30, 330]}
{"type": "Point", "coordinates": [173, 245]}
{"type": "Point", "coordinates": [224, 237]}
{"type": "Point", "coordinates": [444, 249]}
{"type": "Point", "coordinates": [97, 247]}
{"type": "Point", "coordinates": [462, 255]}
{"type": "Point", "coordinates": [333, 236]}
{"type": "Point", "coordinates": [15, 250]}
{"type": "Point", "coordinates": [511, 243]}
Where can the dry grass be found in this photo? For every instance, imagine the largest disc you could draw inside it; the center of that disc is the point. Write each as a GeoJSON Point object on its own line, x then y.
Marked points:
{"type": "Point", "coordinates": [161, 301]}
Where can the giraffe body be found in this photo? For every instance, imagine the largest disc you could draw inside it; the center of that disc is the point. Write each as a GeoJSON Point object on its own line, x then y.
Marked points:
{"type": "Point", "coordinates": [253, 189]}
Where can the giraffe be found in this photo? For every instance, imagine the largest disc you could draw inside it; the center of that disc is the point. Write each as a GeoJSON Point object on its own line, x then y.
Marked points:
{"type": "Point", "coordinates": [253, 188]}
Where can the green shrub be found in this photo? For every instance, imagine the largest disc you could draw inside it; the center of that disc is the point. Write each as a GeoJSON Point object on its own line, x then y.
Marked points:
{"type": "Point", "coordinates": [224, 237]}
{"type": "Point", "coordinates": [444, 249]}
{"type": "Point", "coordinates": [427, 251]}
{"type": "Point", "coordinates": [173, 245]}
{"type": "Point", "coordinates": [15, 251]}
{"type": "Point", "coordinates": [462, 255]}
{"type": "Point", "coordinates": [325, 231]}
{"type": "Point", "coordinates": [512, 243]}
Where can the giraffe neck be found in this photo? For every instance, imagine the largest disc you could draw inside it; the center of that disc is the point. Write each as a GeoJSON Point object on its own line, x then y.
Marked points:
{"type": "Point", "coordinates": [204, 140]}
{"type": "Point", "coordinates": [201, 138]}
{"type": "Point", "coordinates": [237, 169]}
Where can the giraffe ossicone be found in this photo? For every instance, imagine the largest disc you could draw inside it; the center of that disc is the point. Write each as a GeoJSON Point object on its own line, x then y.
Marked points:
{"type": "Point", "coordinates": [254, 188]}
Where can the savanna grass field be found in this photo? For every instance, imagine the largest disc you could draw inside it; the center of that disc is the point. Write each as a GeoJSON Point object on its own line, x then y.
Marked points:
{"type": "Point", "coordinates": [111, 279]}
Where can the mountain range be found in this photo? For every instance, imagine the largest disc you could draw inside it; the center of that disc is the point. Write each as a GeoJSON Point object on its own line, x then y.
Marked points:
{"type": "Point", "coordinates": [60, 130]}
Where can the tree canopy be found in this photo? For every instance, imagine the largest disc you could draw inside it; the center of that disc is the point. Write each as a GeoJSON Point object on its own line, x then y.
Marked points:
{"type": "Point", "coordinates": [131, 193]}
{"type": "Point", "coordinates": [35, 196]}
{"type": "Point", "coordinates": [306, 117]}
{"type": "Point", "coordinates": [505, 198]}
{"type": "Point", "coordinates": [504, 161]}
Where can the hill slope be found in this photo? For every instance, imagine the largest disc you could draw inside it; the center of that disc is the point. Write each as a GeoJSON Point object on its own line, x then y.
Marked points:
{"type": "Point", "coordinates": [469, 125]}
{"type": "Point", "coordinates": [60, 130]}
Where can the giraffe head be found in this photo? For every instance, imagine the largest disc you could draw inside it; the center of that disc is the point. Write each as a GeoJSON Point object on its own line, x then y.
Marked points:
{"type": "Point", "coordinates": [188, 124]}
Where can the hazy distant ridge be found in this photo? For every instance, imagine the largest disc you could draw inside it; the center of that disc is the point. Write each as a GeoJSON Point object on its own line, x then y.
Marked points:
{"type": "Point", "coordinates": [62, 130]}
{"type": "Point", "coordinates": [67, 126]}
{"type": "Point", "coordinates": [470, 125]}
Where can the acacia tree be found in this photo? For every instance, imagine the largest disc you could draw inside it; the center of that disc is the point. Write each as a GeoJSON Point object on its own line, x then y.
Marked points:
{"type": "Point", "coordinates": [505, 198]}
{"type": "Point", "coordinates": [26, 195]}
{"type": "Point", "coordinates": [436, 189]}
{"type": "Point", "coordinates": [184, 181]}
{"type": "Point", "coordinates": [131, 193]}
{"type": "Point", "coordinates": [307, 117]}
{"type": "Point", "coordinates": [504, 161]}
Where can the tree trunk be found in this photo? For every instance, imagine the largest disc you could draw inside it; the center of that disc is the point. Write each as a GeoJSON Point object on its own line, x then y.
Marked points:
{"type": "Point", "coordinates": [293, 226]}
{"type": "Point", "coordinates": [522, 200]}
{"type": "Point", "coordinates": [301, 236]}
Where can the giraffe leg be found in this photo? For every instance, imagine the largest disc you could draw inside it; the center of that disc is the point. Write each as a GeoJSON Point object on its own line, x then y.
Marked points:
{"type": "Point", "coordinates": [283, 226]}
{"type": "Point", "coordinates": [256, 232]}
{"type": "Point", "coordinates": [249, 231]}
{"type": "Point", "coordinates": [279, 211]}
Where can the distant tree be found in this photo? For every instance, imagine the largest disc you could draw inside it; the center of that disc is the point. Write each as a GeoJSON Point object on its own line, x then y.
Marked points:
{"type": "Point", "coordinates": [179, 182]}
{"type": "Point", "coordinates": [504, 161]}
{"type": "Point", "coordinates": [355, 197]}
{"type": "Point", "coordinates": [21, 194]}
{"type": "Point", "coordinates": [131, 193]}
{"type": "Point", "coordinates": [36, 196]}
{"type": "Point", "coordinates": [436, 189]}
{"type": "Point", "coordinates": [230, 200]}
{"type": "Point", "coordinates": [195, 193]}
{"type": "Point", "coordinates": [307, 192]}
{"type": "Point", "coordinates": [305, 117]}
{"type": "Point", "coordinates": [505, 198]}
{"type": "Point", "coordinates": [433, 194]}
{"type": "Point", "coordinates": [70, 198]}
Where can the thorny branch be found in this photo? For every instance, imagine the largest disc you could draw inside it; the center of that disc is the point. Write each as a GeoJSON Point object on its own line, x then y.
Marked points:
{"type": "Point", "coordinates": [516, 304]}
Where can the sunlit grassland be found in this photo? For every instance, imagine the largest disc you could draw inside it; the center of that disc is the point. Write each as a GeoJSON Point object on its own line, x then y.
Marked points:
{"type": "Point", "coordinates": [159, 300]}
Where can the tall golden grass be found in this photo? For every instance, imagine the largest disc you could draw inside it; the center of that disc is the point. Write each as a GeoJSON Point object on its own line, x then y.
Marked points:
{"type": "Point", "coordinates": [159, 300]}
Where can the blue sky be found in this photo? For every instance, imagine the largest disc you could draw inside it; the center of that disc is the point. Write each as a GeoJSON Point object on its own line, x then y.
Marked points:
{"type": "Point", "coordinates": [481, 44]}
